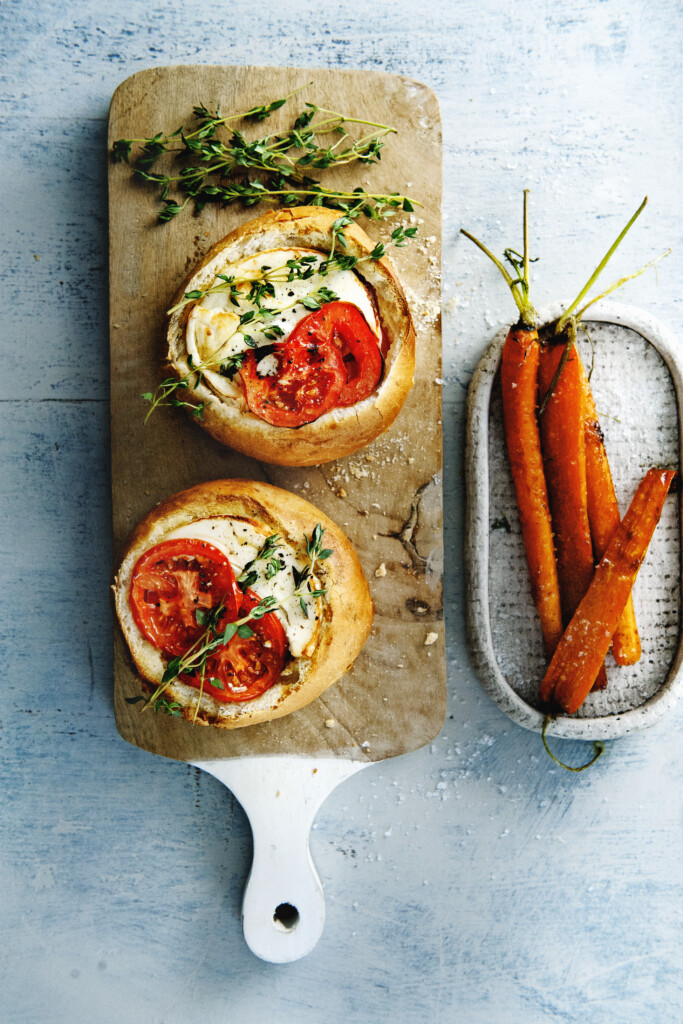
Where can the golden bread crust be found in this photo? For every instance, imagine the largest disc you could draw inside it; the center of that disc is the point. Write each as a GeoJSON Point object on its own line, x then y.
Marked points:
{"type": "Point", "coordinates": [347, 608]}
{"type": "Point", "coordinates": [340, 431]}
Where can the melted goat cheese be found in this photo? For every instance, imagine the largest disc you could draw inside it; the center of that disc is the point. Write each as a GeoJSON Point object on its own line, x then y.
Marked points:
{"type": "Point", "coordinates": [212, 333]}
{"type": "Point", "coordinates": [241, 541]}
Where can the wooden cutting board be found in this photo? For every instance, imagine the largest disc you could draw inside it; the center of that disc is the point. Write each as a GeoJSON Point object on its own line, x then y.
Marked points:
{"type": "Point", "coordinates": [387, 497]}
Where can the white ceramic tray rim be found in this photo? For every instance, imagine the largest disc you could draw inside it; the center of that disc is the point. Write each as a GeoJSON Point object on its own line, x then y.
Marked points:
{"type": "Point", "coordinates": [477, 538]}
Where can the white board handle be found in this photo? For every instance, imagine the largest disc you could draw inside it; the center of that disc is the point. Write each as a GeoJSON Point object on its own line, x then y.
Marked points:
{"type": "Point", "coordinates": [283, 911]}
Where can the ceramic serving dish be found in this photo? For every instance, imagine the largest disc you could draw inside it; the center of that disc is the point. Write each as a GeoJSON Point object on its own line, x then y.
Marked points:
{"type": "Point", "coordinates": [637, 382]}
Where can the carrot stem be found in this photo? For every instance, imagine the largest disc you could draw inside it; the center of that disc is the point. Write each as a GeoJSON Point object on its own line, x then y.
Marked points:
{"type": "Point", "coordinates": [584, 645]}
{"type": "Point", "coordinates": [599, 269]}
{"type": "Point", "coordinates": [526, 242]}
{"type": "Point", "coordinates": [598, 750]}
{"type": "Point", "coordinates": [622, 281]}
{"type": "Point", "coordinates": [519, 286]}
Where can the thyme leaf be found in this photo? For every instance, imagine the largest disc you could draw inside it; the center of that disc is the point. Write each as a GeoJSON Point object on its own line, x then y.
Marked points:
{"type": "Point", "coordinates": [320, 297]}
{"type": "Point", "coordinates": [168, 707]}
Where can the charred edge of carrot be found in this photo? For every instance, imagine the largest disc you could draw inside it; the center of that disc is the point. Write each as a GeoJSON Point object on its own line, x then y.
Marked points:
{"type": "Point", "coordinates": [519, 367]}
{"type": "Point", "coordinates": [600, 682]}
{"type": "Point", "coordinates": [584, 645]}
{"type": "Point", "coordinates": [603, 513]}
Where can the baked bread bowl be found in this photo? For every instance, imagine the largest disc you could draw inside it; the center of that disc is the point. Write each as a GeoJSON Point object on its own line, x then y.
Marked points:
{"type": "Point", "coordinates": [172, 597]}
{"type": "Point", "coordinates": [203, 331]}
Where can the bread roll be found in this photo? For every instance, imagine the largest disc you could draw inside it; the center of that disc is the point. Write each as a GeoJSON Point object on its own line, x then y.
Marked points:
{"type": "Point", "coordinates": [321, 647]}
{"type": "Point", "coordinates": [376, 289]}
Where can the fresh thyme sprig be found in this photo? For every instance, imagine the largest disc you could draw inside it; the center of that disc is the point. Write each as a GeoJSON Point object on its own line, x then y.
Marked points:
{"type": "Point", "coordinates": [315, 552]}
{"type": "Point", "coordinates": [249, 575]}
{"type": "Point", "coordinates": [301, 268]}
{"type": "Point", "coordinates": [165, 394]}
{"type": "Point", "coordinates": [318, 298]}
{"type": "Point", "coordinates": [194, 661]}
{"type": "Point", "coordinates": [169, 707]}
{"type": "Point", "coordinates": [272, 169]}
{"type": "Point", "coordinates": [232, 364]}
{"type": "Point", "coordinates": [260, 287]}
{"type": "Point", "coordinates": [262, 318]}
{"type": "Point", "coordinates": [207, 125]}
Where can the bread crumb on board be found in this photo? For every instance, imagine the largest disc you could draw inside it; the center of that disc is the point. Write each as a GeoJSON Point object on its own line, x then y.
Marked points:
{"type": "Point", "coordinates": [330, 723]}
{"type": "Point", "coordinates": [386, 451]}
{"type": "Point", "coordinates": [430, 639]}
{"type": "Point", "coordinates": [381, 570]}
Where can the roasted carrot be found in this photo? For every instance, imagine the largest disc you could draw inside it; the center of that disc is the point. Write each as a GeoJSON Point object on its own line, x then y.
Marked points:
{"type": "Point", "coordinates": [519, 365]}
{"type": "Point", "coordinates": [603, 514]}
{"type": "Point", "coordinates": [563, 444]}
{"type": "Point", "coordinates": [603, 511]}
{"type": "Point", "coordinates": [581, 650]}
{"type": "Point", "coordinates": [564, 458]}
{"type": "Point", "coordinates": [570, 474]}
{"type": "Point", "coordinates": [518, 369]}
{"type": "Point", "coordinates": [564, 438]}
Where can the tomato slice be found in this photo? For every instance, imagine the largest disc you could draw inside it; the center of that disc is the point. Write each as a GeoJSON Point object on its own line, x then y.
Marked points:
{"type": "Point", "coordinates": [246, 667]}
{"type": "Point", "coordinates": [171, 582]}
{"type": "Point", "coordinates": [309, 380]}
{"type": "Point", "coordinates": [330, 359]}
{"type": "Point", "coordinates": [360, 351]}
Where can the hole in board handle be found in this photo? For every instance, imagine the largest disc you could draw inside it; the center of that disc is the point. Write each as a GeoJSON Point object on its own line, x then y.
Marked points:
{"type": "Point", "coordinates": [286, 917]}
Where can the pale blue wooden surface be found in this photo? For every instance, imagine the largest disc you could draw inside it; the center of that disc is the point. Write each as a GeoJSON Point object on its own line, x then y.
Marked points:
{"type": "Point", "coordinates": [472, 881]}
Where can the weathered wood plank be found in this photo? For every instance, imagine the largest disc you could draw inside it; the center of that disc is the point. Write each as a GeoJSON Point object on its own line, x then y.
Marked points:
{"type": "Point", "coordinates": [391, 503]}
